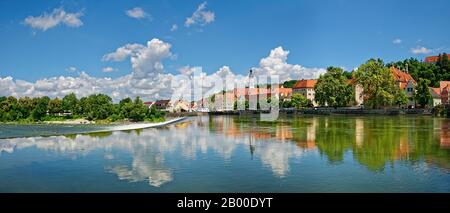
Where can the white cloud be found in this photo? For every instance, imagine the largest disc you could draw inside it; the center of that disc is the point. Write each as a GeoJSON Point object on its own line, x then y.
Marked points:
{"type": "Point", "coordinates": [71, 69]}
{"type": "Point", "coordinates": [137, 13]}
{"type": "Point", "coordinates": [174, 27]}
{"type": "Point", "coordinates": [421, 50]}
{"type": "Point", "coordinates": [397, 41]}
{"type": "Point", "coordinates": [108, 69]}
{"type": "Point", "coordinates": [56, 17]}
{"type": "Point", "coordinates": [276, 64]}
{"type": "Point", "coordinates": [148, 78]}
{"type": "Point", "coordinates": [200, 16]}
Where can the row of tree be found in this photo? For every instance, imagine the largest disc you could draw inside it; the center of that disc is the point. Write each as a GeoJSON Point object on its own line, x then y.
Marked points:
{"type": "Point", "coordinates": [93, 107]}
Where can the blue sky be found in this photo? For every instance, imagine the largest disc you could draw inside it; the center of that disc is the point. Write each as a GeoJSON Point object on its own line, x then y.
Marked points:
{"type": "Point", "coordinates": [316, 33]}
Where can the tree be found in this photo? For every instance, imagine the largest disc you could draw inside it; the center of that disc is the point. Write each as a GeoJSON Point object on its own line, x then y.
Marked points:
{"type": "Point", "coordinates": [69, 103]}
{"type": "Point", "coordinates": [333, 89]}
{"type": "Point", "coordinates": [400, 98]}
{"type": "Point", "coordinates": [40, 109]}
{"type": "Point", "coordinates": [422, 94]}
{"type": "Point", "coordinates": [378, 83]}
{"type": "Point", "coordinates": [97, 107]}
{"type": "Point", "coordinates": [55, 106]}
{"type": "Point", "coordinates": [125, 106]}
{"type": "Point", "coordinates": [138, 111]}
{"type": "Point", "coordinates": [289, 84]}
{"type": "Point", "coordinates": [25, 106]}
{"type": "Point", "coordinates": [299, 101]}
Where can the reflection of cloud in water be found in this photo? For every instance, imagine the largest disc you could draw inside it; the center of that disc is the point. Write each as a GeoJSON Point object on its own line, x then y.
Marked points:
{"type": "Point", "coordinates": [149, 147]}
{"type": "Point", "coordinates": [276, 155]}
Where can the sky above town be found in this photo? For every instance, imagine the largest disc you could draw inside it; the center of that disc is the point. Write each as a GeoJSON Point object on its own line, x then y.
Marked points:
{"type": "Point", "coordinates": [137, 48]}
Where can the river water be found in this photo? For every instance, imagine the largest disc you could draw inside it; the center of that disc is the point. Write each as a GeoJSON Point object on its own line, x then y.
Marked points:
{"type": "Point", "coordinates": [233, 154]}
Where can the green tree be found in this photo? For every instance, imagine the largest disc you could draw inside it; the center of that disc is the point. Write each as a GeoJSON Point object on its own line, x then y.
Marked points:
{"type": "Point", "coordinates": [400, 98]}
{"type": "Point", "coordinates": [125, 106]}
{"type": "Point", "coordinates": [55, 106]}
{"type": "Point", "coordinates": [422, 95]}
{"type": "Point", "coordinates": [40, 109]}
{"type": "Point", "coordinates": [138, 111]}
{"type": "Point", "coordinates": [289, 84]}
{"type": "Point", "coordinates": [25, 106]}
{"type": "Point", "coordinates": [333, 89]}
{"type": "Point", "coordinates": [69, 103]}
{"type": "Point", "coordinates": [378, 83]}
{"type": "Point", "coordinates": [97, 107]}
{"type": "Point", "coordinates": [299, 101]}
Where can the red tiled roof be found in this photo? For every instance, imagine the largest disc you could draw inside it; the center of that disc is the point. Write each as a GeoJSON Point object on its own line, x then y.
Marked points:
{"type": "Point", "coordinates": [435, 92]}
{"type": "Point", "coordinates": [443, 84]}
{"type": "Point", "coordinates": [148, 103]}
{"type": "Point", "coordinates": [305, 84]}
{"type": "Point", "coordinates": [433, 59]}
{"type": "Point", "coordinates": [401, 76]}
{"type": "Point", "coordinates": [162, 102]}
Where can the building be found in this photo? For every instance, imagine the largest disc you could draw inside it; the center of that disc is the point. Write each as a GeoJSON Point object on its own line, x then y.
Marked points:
{"type": "Point", "coordinates": [149, 104]}
{"type": "Point", "coordinates": [306, 88]}
{"type": "Point", "coordinates": [444, 87]}
{"type": "Point", "coordinates": [435, 96]}
{"type": "Point", "coordinates": [434, 59]}
{"type": "Point", "coordinates": [406, 83]}
{"type": "Point", "coordinates": [179, 106]}
{"type": "Point", "coordinates": [162, 104]}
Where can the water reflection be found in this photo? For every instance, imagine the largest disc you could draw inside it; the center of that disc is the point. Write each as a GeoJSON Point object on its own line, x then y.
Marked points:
{"type": "Point", "coordinates": [374, 142]}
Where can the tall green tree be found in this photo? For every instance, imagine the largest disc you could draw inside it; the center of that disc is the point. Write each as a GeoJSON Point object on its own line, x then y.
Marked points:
{"type": "Point", "coordinates": [40, 109]}
{"type": "Point", "coordinates": [422, 95]}
{"type": "Point", "coordinates": [138, 111]}
{"type": "Point", "coordinates": [69, 103]}
{"type": "Point", "coordinates": [378, 83]}
{"type": "Point", "coordinates": [25, 106]}
{"type": "Point", "coordinates": [299, 101]}
{"type": "Point", "coordinates": [55, 106]}
{"type": "Point", "coordinates": [333, 89]}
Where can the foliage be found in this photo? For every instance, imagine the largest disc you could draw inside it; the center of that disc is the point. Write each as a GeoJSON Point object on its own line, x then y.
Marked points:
{"type": "Point", "coordinates": [423, 95]}
{"type": "Point", "coordinates": [69, 103]}
{"type": "Point", "coordinates": [378, 83]}
{"type": "Point", "coordinates": [400, 98]}
{"type": "Point", "coordinates": [299, 101]}
{"type": "Point", "coordinates": [333, 89]}
{"type": "Point", "coordinates": [289, 84]}
{"type": "Point", "coordinates": [97, 107]}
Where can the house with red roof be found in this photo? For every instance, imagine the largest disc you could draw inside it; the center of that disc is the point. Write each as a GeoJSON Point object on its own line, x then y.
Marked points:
{"type": "Point", "coordinates": [405, 81]}
{"type": "Point", "coordinates": [305, 87]}
{"type": "Point", "coordinates": [435, 96]}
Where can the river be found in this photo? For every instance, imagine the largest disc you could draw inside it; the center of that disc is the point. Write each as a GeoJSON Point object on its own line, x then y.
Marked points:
{"type": "Point", "coordinates": [234, 154]}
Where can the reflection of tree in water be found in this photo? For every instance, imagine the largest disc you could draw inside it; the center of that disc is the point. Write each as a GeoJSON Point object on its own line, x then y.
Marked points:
{"type": "Point", "coordinates": [334, 138]}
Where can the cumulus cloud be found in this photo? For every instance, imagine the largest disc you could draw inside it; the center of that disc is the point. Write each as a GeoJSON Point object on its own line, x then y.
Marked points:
{"type": "Point", "coordinates": [200, 16]}
{"type": "Point", "coordinates": [137, 13]}
{"type": "Point", "coordinates": [276, 64]}
{"type": "Point", "coordinates": [56, 17]}
{"type": "Point", "coordinates": [397, 41]}
{"type": "Point", "coordinates": [174, 27]}
{"type": "Point", "coordinates": [108, 69]}
{"type": "Point", "coordinates": [420, 50]}
{"type": "Point", "coordinates": [149, 80]}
